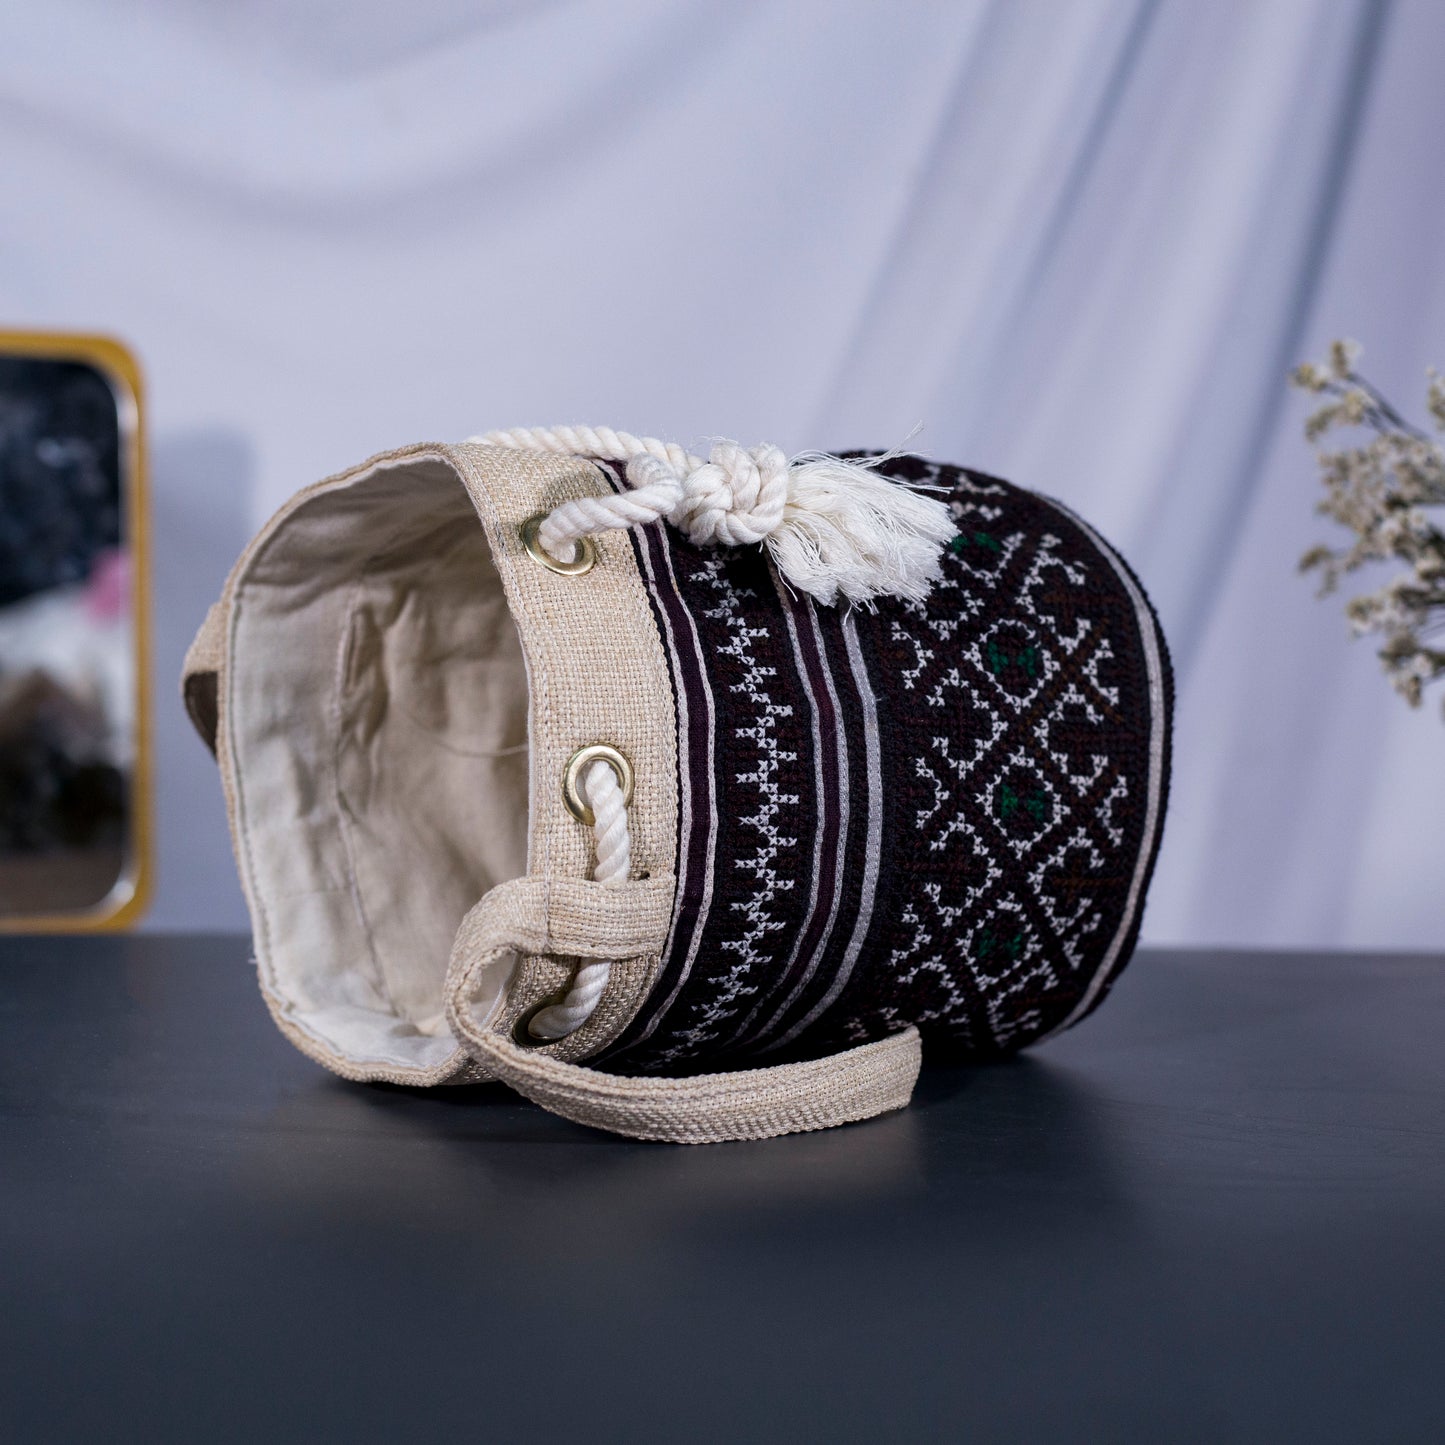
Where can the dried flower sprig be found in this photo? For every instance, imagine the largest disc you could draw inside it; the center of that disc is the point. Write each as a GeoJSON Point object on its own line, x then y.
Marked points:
{"type": "Point", "coordinates": [1381, 491]}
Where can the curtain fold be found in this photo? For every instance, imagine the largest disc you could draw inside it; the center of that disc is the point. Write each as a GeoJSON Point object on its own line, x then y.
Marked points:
{"type": "Point", "coordinates": [1080, 243]}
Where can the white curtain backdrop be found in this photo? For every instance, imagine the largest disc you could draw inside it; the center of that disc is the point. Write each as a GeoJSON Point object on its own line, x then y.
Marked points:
{"type": "Point", "coordinates": [1080, 240]}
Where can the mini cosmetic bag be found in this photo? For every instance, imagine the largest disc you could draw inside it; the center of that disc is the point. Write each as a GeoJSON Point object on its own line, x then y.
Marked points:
{"type": "Point", "coordinates": [677, 793]}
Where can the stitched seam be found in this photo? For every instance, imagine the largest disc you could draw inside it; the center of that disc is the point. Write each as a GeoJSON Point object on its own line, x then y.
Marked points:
{"type": "Point", "coordinates": [338, 672]}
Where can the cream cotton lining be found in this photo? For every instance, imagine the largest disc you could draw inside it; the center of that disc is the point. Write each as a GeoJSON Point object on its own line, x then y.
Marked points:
{"type": "Point", "coordinates": [377, 720]}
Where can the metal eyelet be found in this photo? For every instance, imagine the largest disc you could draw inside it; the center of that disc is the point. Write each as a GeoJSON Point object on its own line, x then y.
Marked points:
{"type": "Point", "coordinates": [522, 1030]}
{"type": "Point", "coordinates": [572, 779]}
{"type": "Point", "coordinates": [583, 561]}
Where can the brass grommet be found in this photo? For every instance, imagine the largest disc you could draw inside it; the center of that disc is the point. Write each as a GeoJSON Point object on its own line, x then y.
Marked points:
{"type": "Point", "coordinates": [522, 1030]}
{"type": "Point", "coordinates": [572, 778]}
{"type": "Point", "coordinates": [583, 561]}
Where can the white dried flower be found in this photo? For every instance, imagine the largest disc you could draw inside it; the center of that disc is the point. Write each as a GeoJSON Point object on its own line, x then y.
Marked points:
{"type": "Point", "coordinates": [1435, 398]}
{"type": "Point", "coordinates": [1342, 359]}
{"type": "Point", "coordinates": [1380, 491]}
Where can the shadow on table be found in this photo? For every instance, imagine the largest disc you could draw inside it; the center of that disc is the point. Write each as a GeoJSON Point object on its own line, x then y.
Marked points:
{"type": "Point", "coordinates": [1020, 1139]}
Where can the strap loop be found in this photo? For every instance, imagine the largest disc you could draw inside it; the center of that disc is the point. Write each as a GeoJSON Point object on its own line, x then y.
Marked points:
{"type": "Point", "coordinates": [200, 674]}
{"type": "Point", "coordinates": [597, 921]}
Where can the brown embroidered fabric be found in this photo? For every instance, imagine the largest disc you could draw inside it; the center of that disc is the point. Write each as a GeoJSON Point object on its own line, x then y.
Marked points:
{"type": "Point", "coordinates": [942, 813]}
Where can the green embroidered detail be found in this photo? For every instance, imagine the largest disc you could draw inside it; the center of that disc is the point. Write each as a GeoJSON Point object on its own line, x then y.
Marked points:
{"type": "Point", "coordinates": [1010, 801]}
{"type": "Point", "coordinates": [979, 539]}
{"type": "Point", "coordinates": [998, 658]}
{"type": "Point", "coordinates": [990, 945]}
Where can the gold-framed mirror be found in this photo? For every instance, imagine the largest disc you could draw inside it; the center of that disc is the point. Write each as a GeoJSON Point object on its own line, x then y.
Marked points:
{"type": "Point", "coordinates": [75, 850]}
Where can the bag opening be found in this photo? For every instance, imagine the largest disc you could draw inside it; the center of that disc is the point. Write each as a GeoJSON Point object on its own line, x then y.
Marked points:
{"type": "Point", "coordinates": [377, 724]}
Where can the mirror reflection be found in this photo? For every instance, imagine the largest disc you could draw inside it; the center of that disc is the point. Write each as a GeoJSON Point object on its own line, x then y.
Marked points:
{"type": "Point", "coordinates": [67, 640]}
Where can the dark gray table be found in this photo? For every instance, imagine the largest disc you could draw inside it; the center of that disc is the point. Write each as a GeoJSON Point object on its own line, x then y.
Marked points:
{"type": "Point", "coordinates": [1215, 1211]}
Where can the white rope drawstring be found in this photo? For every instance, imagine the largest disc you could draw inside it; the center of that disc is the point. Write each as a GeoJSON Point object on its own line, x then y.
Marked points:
{"type": "Point", "coordinates": [613, 844]}
{"type": "Point", "coordinates": [834, 528]}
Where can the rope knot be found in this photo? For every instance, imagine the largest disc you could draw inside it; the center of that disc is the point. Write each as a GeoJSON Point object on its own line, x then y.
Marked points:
{"type": "Point", "coordinates": [835, 529]}
{"type": "Point", "coordinates": [735, 498]}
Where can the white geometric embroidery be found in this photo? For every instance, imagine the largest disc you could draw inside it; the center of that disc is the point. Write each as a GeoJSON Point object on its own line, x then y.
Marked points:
{"type": "Point", "coordinates": [1052, 804]}
{"type": "Point", "coordinates": [756, 755]}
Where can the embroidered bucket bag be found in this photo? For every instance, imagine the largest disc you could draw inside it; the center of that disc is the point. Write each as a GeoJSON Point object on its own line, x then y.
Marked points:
{"type": "Point", "coordinates": [681, 794]}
